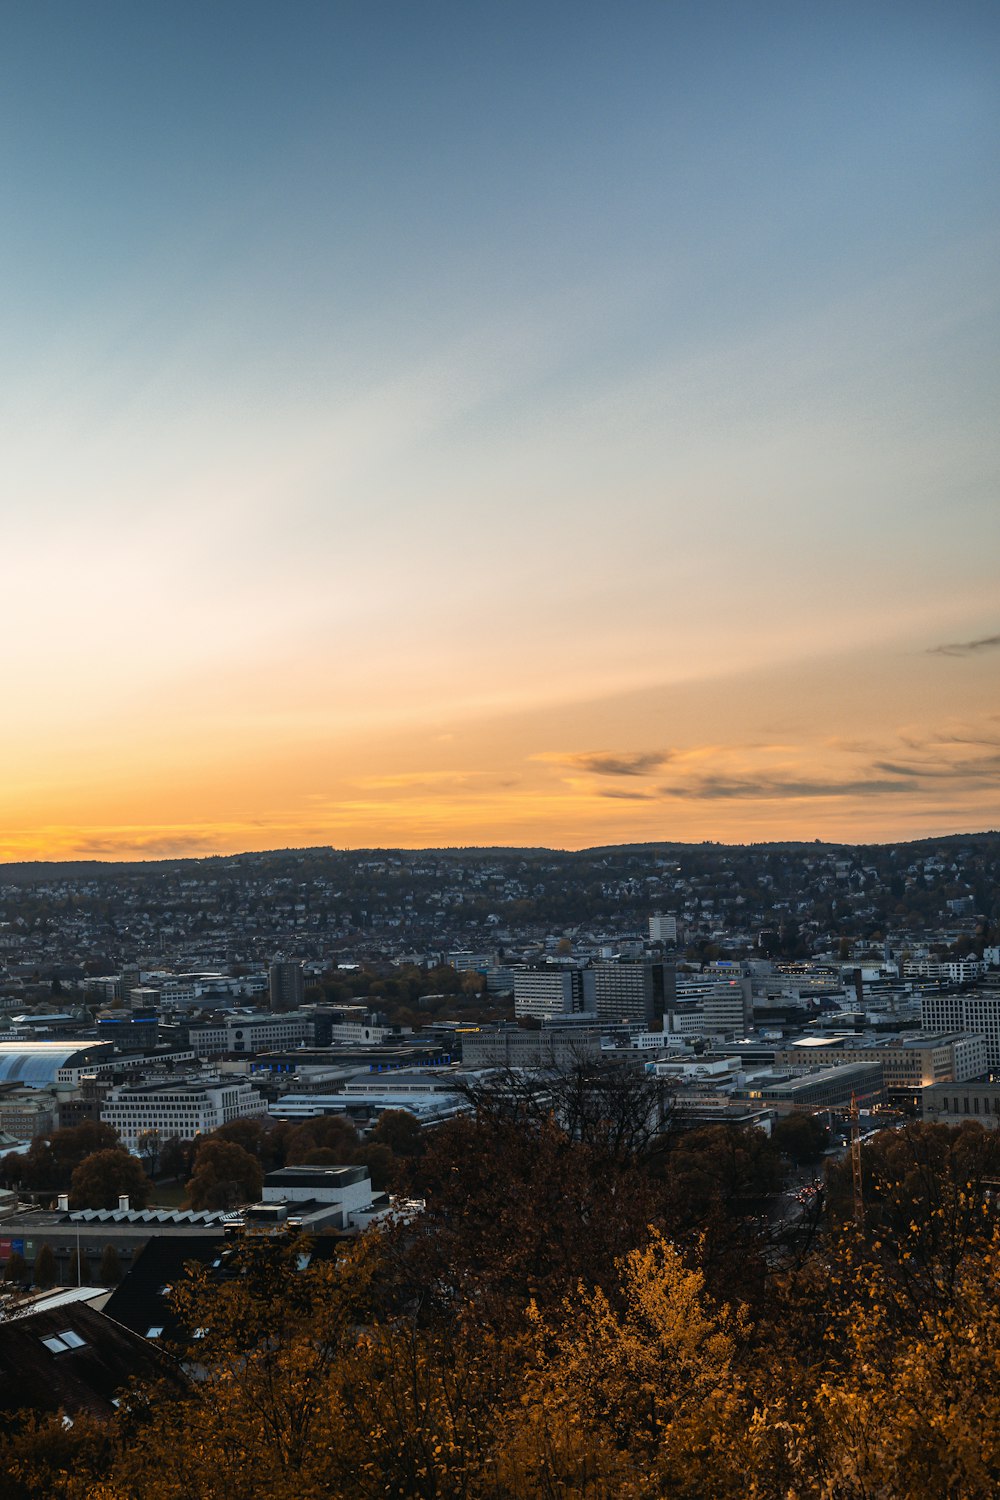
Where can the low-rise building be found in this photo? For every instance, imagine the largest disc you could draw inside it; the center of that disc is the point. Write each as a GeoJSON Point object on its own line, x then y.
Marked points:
{"type": "Point", "coordinates": [954, 1104]}
{"type": "Point", "coordinates": [185, 1109]}
{"type": "Point", "coordinates": [550, 1046]}
{"type": "Point", "coordinates": [261, 1032]}
{"type": "Point", "coordinates": [27, 1113]}
{"type": "Point", "coordinates": [818, 1088]}
{"type": "Point", "coordinates": [908, 1062]}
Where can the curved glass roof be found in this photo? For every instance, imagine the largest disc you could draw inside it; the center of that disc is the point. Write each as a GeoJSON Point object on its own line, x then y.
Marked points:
{"type": "Point", "coordinates": [35, 1063]}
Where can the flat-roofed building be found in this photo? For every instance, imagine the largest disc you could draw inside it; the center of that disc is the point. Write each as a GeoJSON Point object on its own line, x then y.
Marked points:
{"type": "Point", "coordinates": [550, 1046]}
{"type": "Point", "coordinates": [819, 1088]}
{"type": "Point", "coordinates": [975, 1012]}
{"type": "Point", "coordinates": [663, 928]}
{"type": "Point", "coordinates": [286, 985]}
{"type": "Point", "coordinates": [954, 1104]}
{"type": "Point", "coordinates": [549, 991]}
{"type": "Point", "coordinates": [259, 1032]}
{"type": "Point", "coordinates": [908, 1062]}
{"type": "Point", "coordinates": [179, 1109]}
{"type": "Point", "coordinates": [637, 992]}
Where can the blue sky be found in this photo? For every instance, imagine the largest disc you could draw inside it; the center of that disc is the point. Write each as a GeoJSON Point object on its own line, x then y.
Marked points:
{"type": "Point", "coordinates": [370, 371]}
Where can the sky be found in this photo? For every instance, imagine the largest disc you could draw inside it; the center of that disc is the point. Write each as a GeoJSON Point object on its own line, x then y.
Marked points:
{"type": "Point", "coordinates": [556, 423]}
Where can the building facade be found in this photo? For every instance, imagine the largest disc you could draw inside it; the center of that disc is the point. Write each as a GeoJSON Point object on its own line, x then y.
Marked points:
{"type": "Point", "coordinates": [954, 1104]}
{"type": "Point", "coordinates": [628, 992]}
{"type": "Point", "coordinates": [976, 1012]}
{"type": "Point", "coordinates": [183, 1109]}
{"type": "Point", "coordinates": [286, 985]}
{"type": "Point", "coordinates": [548, 992]}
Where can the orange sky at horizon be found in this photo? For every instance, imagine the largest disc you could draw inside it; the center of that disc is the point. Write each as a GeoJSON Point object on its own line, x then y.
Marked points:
{"type": "Point", "coordinates": [439, 425]}
{"type": "Point", "coordinates": [858, 747]}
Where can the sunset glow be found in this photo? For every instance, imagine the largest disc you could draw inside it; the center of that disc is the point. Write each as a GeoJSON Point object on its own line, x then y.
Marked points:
{"type": "Point", "coordinates": [544, 425]}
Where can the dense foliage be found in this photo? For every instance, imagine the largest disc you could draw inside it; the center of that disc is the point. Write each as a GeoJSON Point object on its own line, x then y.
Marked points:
{"type": "Point", "coordinates": [566, 1319]}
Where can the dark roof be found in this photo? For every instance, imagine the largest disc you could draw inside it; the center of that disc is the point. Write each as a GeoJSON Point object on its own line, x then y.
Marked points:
{"type": "Point", "coordinates": [315, 1176]}
{"type": "Point", "coordinates": [79, 1373]}
{"type": "Point", "coordinates": [141, 1300]}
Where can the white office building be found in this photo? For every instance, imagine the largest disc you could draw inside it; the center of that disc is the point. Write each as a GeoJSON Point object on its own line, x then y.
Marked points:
{"type": "Point", "coordinates": [662, 929]}
{"type": "Point", "coordinates": [186, 1109]}
{"type": "Point", "coordinates": [976, 1012]}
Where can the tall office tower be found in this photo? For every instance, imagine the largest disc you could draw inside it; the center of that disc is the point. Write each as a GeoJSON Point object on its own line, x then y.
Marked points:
{"type": "Point", "coordinates": [637, 992]}
{"type": "Point", "coordinates": [728, 1007]}
{"type": "Point", "coordinates": [662, 929]}
{"type": "Point", "coordinates": [130, 979]}
{"type": "Point", "coordinates": [547, 992]}
{"type": "Point", "coordinates": [286, 985]}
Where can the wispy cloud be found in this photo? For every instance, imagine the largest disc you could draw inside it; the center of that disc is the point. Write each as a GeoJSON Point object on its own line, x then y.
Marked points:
{"type": "Point", "coordinates": [965, 648]}
{"type": "Point", "coordinates": [772, 788]}
{"type": "Point", "coordinates": [981, 766]}
{"type": "Point", "coordinates": [613, 791]}
{"type": "Point", "coordinates": [609, 763]}
{"type": "Point", "coordinates": [155, 846]}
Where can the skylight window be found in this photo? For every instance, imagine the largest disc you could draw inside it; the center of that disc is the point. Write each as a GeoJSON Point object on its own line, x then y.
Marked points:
{"type": "Point", "coordinates": [72, 1340]}
{"type": "Point", "coordinates": [156, 1332]}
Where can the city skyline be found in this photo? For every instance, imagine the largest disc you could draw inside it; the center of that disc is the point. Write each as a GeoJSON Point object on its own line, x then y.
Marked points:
{"type": "Point", "coordinates": [540, 426]}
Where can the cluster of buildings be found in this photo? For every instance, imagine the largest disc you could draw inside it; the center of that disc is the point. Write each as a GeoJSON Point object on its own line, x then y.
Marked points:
{"type": "Point", "coordinates": [168, 1000]}
{"type": "Point", "coordinates": [64, 924]}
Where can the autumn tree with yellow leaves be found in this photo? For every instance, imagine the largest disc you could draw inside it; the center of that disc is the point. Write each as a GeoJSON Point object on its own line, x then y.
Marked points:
{"type": "Point", "coordinates": [612, 1370]}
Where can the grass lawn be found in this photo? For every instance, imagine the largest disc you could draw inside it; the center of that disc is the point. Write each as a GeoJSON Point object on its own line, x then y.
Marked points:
{"type": "Point", "coordinates": [167, 1194]}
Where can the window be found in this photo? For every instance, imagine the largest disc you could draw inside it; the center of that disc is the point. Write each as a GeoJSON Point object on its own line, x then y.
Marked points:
{"type": "Point", "coordinates": [59, 1343]}
{"type": "Point", "coordinates": [155, 1332]}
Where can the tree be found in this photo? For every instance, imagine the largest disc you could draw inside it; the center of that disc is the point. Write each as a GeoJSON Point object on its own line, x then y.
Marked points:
{"type": "Point", "coordinates": [329, 1131]}
{"type": "Point", "coordinates": [224, 1176]}
{"type": "Point", "coordinates": [929, 1202]}
{"type": "Point", "coordinates": [149, 1150]}
{"type": "Point", "coordinates": [614, 1372]}
{"type": "Point", "coordinates": [110, 1271]}
{"type": "Point", "coordinates": [400, 1131]}
{"type": "Point", "coordinates": [175, 1157]}
{"type": "Point", "coordinates": [800, 1137]}
{"type": "Point", "coordinates": [615, 1109]}
{"type": "Point", "coordinates": [103, 1177]}
{"type": "Point", "coordinates": [49, 1164]}
{"type": "Point", "coordinates": [516, 1210]}
{"type": "Point", "coordinates": [16, 1268]}
{"type": "Point", "coordinates": [383, 1167]}
{"type": "Point", "coordinates": [322, 1157]}
{"type": "Point", "coordinates": [254, 1136]}
{"type": "Point", "coordinates": [649, 1379]}
{"type": "Point", "coordinates": [76, 1273]}
{"type": "Point", "coordinates": [45, 1270]}
{"type": "Point", "coordinates": [727, 1170]}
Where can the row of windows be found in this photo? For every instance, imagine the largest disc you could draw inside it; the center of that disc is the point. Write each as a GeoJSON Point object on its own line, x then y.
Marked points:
{"type": "Point", "coordinates": [975, 1106]}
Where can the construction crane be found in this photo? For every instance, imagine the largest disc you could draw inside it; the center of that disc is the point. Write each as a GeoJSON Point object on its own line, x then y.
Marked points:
{"type": "Point", "coordinates": [859, 1199]}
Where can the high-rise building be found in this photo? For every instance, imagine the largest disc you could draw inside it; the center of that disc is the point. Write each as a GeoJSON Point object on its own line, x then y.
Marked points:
{"type": "Point", "coordinates": [975, 1012]}
{"type": "Point", "coordinates": [728, 1007]}
{"type": "Point", "coordinates": [286, 985]}
{"type": "Point", "coordinates": [130, 979]}
{"type": "Point", "coordinates": [663, 929]}
{"type": "Point", "coordinates": [636, 992]}
{"type": "Point", "coordinates": [543, 992]}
